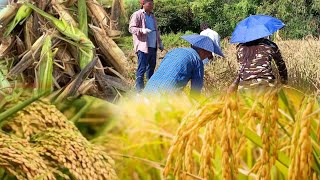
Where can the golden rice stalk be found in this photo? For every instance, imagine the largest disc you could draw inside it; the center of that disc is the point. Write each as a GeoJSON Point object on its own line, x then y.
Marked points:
{"type": "Point", "coordinates": [20, 159]}
{"type": "Point", "coordinates": [230, 138]}
{"type": "Point", "coordinates": [36, 118]}
{"type": "Point", "coordinates": [6, 15]}
{"type": "Point", "coordinates": [208, 151]}
{"type": "Point", "coordinates": [318, 131]}
{"type": "Point", "coordinates": [192, 124]}
{"type": "Point", "coordinates": [301, 148]}
{"type": "Point", "coordinates": [23, 12]}
{"type": "Point", "coordinates": [110, 49]}
{"type": "Point", "coordinates": [188, 154]}
{"type": "Point", "coordinates": [45, 79]}
{"type": "Point", "coordinates": [315, 176]}
{"type": "Point", "coordinates": [15, 105]}
{"type": "Point", "coordinates": [269, 133]}
{"type": "Point", "coordinates": [28, 58]}
{"type": "Point", "coordinates": [304, 144]}
{"type": "Point", "coordinates": [64, 13]}
{"type": "Point", "coordinates": [71, 150]}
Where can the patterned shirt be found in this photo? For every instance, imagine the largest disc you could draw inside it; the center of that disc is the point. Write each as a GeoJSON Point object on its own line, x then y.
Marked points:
{"type": "Point", "coordinates": [255, 63]}
{"type": "Point", "coordinates": [176, 69]}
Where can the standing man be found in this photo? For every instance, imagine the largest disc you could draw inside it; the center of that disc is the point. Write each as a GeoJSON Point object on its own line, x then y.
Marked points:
{"type": "Point", "coordinates": [146, 40]}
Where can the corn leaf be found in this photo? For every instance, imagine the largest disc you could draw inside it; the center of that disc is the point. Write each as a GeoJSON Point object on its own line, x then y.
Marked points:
{"type": "Point", "coordinates": [85, 55]}
{"type": "Point", "coordinates": [66, 29]}
{"type": "Point", "coordinates": [82, 13]}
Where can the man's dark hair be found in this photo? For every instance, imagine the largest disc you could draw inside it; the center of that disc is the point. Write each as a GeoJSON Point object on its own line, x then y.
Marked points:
{"type": "Point", "coordinates": [204, 25]}
{"type": "Point", "coordinates": [146, 1]}
{"type": "Point", "coordinates": [142, 2]}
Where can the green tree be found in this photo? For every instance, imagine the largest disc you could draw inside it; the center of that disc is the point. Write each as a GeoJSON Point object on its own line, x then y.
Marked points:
{"type": "Point", "coordinates": [302, 17]}
{"type": "Point", "coordinates": [296, 14]}
{"type": "Point", "coordinates": [174, 16]}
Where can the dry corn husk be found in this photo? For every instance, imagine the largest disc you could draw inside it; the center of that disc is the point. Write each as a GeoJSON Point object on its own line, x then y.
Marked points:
{"type": "Point", "coordinates": [7, 14]}
{"type": "Point", "coordinates": [29, 32]}
{"type": "Point", "coordinates": [27, 60]}
{"type": "Point", "coordinates": [21, 48]}
{"type": "Point", "coordinates": [110, 49]}
{"type": "Point", "coordinates": [100, 18]}
{"type": "Point", "coordinates": [66, 59]}
{"type": "Point", "coordinates": [75, 49]}
{"type": "Point", "coordinates": [6, 45]}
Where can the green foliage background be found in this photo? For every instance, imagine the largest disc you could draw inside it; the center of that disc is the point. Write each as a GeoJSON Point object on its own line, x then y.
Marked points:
{"type": "Point", "coordinates": [302, 17]}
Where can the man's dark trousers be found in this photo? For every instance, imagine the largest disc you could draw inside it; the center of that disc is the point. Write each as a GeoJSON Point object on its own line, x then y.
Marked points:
{"type": "Point", "coordinates": [146, 64]}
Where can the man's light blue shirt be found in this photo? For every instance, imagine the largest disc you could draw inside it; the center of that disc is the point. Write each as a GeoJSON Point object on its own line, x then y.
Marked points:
{"type": "Point", "coordinates": [176, 69]}
{"type": "Point", "coordinates": [152, 36]}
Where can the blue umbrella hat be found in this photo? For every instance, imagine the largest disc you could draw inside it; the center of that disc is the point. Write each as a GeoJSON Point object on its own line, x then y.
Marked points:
{"type": "Point", "coordinates": [203, 42]}
{"type": "Point", "coordinates": [255, 27]}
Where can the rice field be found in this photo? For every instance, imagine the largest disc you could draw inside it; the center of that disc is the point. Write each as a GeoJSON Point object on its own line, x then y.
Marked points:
{"type": "Point", "coordinates": [244, 136]}
{"type": "Point", "coordinates": [274, 135]}
{"type": "Point", "coordinates": [51, 128]}
{"type": "Point", "coordinates": [301, 57]}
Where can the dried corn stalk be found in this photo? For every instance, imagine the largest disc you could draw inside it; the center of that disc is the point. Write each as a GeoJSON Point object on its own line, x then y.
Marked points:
{"type": "Point", "coordinates": [6, 15]}
{"type": "Point", "coordinates": [110, 49]}
{"type": "Point", "coordinates": [22, 47]}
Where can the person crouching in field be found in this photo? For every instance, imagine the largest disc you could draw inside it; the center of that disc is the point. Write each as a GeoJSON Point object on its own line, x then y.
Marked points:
{"type": "Point", "coordinates": [181, 65]}
{"type": "Point", "coordinates": [255, 65]}
{"type": "Point", "coordinates": [255, 53]}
